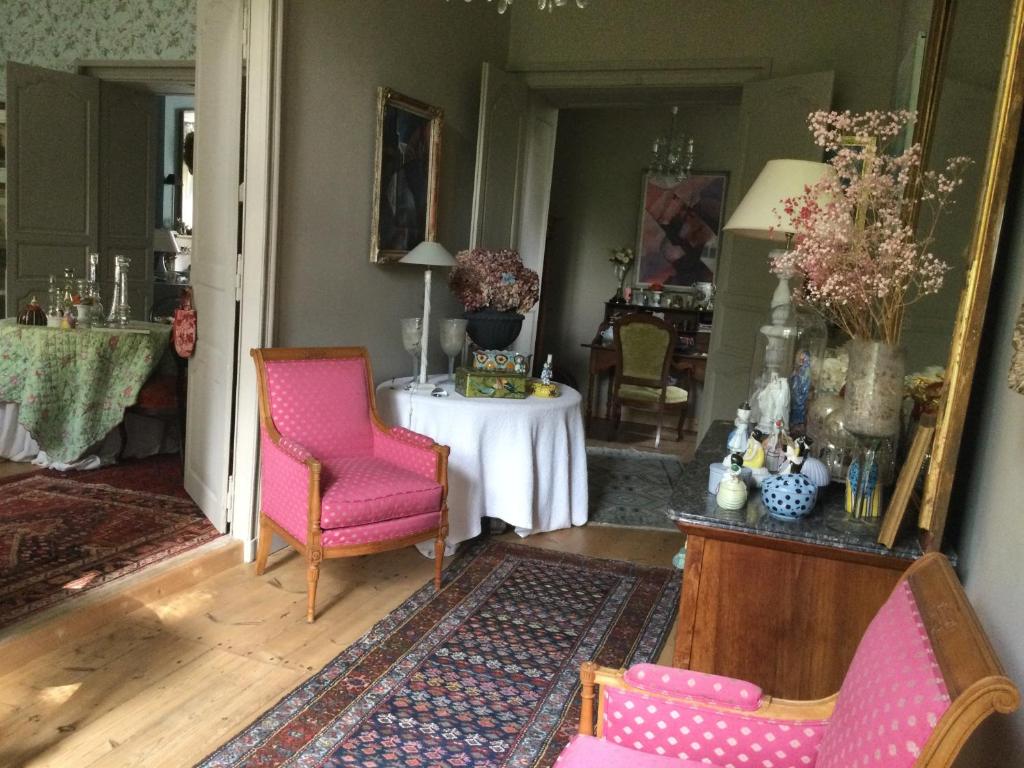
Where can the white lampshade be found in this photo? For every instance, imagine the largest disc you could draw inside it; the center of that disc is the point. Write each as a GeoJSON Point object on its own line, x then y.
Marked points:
{"type": "Point", "coordinates": [429, 254]}
{"type": "Point", "coordinates": [164, 242]}
{"type": "Point", "coordinates": [759, 214]}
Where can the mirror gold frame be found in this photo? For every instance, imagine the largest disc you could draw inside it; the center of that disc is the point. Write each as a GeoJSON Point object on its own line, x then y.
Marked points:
{"type": "Point", "coordinates": [981, 257]}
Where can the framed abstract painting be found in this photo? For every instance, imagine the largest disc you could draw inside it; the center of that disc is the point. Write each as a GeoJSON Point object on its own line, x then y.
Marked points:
{"type": "Point", "coordinates": [680, 228]}
{"type": "Point", "coordinates": [405, 175]}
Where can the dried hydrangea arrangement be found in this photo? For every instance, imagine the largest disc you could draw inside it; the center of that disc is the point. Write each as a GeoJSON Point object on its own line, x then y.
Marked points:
{"type": "Point", "coordinates": [498, 280]}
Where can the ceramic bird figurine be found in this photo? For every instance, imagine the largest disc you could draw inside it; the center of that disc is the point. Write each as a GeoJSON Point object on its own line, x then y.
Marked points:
{"type": "Point", "coordinates": [732, 491]}
{"type": "Point", "coordinates": [796, 451]}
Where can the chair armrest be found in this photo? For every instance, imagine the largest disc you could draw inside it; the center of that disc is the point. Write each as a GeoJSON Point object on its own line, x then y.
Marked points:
{"type": "Point", "coordinates": [287, 474]}
{"type": "Point", "coordinates": [408, 450]}
{"type": "Point", "coordinates": [669, 681]}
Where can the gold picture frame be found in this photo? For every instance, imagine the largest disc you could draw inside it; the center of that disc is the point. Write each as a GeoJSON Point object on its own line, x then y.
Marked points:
{"type": "Point", "coordinates": [406, 161]}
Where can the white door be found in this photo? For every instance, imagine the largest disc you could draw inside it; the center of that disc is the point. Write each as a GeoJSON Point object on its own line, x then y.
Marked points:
{"type": "Point", "coordinates": [515, 157]}
{"type": "Point", "coordinates": [215, 254]}
{"type": "Point", "coordinates": [773, 124]}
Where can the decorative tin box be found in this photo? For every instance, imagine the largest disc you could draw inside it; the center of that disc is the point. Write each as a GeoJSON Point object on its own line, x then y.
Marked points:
{"type": "Point", "coordinates": [490, 384]}
{"type": "Point", "coordinates": [500, 360]}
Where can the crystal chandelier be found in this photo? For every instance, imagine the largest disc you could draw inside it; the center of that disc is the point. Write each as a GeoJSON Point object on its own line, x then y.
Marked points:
{"type": "Point", "coordinates": [672, 156]}
{"type": "Point", "coordinates": [544, 5]}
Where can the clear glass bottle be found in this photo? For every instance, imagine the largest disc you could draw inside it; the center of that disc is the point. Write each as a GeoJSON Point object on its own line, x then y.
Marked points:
{"type": "Point", "coordinates": [120, 311]}
{"type": "Point", "coordinates": [92, 275]}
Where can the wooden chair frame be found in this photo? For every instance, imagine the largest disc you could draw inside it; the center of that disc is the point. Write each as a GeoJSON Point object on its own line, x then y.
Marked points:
{"type": "Point", "coordinates": [313, 551]}
{"type": "Point", "coordinates": [974, 677]}
{"type": "Point", "coordinates": [661, 407]}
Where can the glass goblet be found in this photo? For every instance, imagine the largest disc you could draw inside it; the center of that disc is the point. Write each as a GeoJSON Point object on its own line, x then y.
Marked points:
{"type": "Point", "coordinates": [453, 336]}
{"type": "Point", "coordinates": [412, 338]}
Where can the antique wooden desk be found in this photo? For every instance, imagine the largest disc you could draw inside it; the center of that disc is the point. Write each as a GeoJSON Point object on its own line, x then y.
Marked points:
{"type": "Point", "coordinates": [689, 362]}
{"type": "Point", "coordinates": [781, 604]}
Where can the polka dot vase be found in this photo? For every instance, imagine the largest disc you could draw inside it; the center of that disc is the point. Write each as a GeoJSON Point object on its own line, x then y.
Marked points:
{"type": "Point", "coordinates": [789, 497]}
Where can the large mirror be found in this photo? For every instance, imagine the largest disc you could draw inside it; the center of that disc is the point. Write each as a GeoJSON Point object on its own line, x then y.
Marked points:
{"type": "Point", "coordinates": [977, 113]}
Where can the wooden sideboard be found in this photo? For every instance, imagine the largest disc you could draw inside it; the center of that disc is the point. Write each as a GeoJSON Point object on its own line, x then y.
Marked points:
{"type": "Point", "coordinates": [689, 362]}
{"type": "Point", "coordinates": [781, 604]}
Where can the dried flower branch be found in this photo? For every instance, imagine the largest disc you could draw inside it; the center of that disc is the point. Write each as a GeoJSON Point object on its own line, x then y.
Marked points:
{"type": "Point", "coordinates": [862, 264]}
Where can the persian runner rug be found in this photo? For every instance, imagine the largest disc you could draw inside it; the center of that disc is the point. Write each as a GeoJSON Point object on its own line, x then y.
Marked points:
{"type": "Point", "coordinates": [64, 534]}
{"type": "Point", "coordinates": [631, 488]}
{"type": "Point", "coordinates": [484, 673]}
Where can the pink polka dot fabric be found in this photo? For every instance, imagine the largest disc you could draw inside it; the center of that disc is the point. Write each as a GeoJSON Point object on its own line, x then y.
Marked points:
{"type": "Point", "coordinates": [322, 404]}
{"type": "Point", "coordinates": [588, 752]}
{"type": "Point", "coordinates": [365, 489]}
{"type": "Point", "coordinates": [284, 485]}
{"type": "Point", "coordinates": [406, 449]}
{"type": "Point", "coordinates": [893, 694]}
{"type": "Point", "coordinates": [724, 691]}
{"type": "Point", "coordinates": [386, 531]}
{"type": "Point", "coordinates": [688, 730]}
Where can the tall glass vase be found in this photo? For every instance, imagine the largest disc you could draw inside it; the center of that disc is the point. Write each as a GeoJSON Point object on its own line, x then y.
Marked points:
{"type": "Point", "coordinates": [874, 404]}
{"type": "Point", "coordinates": [620, 277]}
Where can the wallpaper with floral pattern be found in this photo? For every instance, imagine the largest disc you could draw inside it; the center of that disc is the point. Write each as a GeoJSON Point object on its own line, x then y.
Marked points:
{"type": "Point", "coordinates": [57, 33]}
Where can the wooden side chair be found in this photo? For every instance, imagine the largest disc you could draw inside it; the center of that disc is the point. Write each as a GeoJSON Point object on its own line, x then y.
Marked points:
{"type": "Point", "coordinates": [923, 677]}
{"type": "Point", "coordinates": [335, 481]}
{"type": "Point", "coordinates": [643, 349]}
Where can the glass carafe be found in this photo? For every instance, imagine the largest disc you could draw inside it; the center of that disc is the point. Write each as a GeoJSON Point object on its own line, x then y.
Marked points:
{"type": "Point", "coordinates": [120, 310]}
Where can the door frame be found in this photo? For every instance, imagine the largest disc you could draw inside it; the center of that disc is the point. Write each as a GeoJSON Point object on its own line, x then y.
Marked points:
{"type": "Point", "coordinates": [262, 41]}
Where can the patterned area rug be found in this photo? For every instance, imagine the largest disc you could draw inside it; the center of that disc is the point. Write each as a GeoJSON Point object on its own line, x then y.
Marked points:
{"type": "Point", "coordinates": [60, 537]}
{"type": "Point", "coordinates": [484, 673]}
{"type": "Point", "coordinates": [630, 487]}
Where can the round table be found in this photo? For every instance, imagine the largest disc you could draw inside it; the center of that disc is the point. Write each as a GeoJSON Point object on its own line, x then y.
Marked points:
{"type": "Point", "coordinates": [521, 461]}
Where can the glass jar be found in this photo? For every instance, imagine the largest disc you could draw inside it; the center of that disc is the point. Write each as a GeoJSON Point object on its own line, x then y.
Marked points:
{"type": "Point", "coordinates": [874, 388]}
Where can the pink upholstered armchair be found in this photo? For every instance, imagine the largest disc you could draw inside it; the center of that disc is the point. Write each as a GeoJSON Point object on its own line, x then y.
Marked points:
{"type": "Point", "coordinates": [335, 481]}
{"type": "Point", "coordinates": [924, 676]}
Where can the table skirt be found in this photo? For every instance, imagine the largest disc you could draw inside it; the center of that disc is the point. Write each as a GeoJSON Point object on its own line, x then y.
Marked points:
{"type": "Point", "coordinates": [521, 461]}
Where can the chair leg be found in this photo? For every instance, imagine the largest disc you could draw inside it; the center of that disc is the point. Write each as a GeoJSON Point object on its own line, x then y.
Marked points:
{"type": "Point", "coordinates": [263, 545]}
{"type": "Point", "coordinates": [312, 575]}
{"type": "Point", "coordinates": [616, 408]}
{"type": "Point", "coordinates": [442, 534]}
{"type": "Point", "coordinates": [682, 419]}
{"type": "Point", "coordinates": [657, 431]}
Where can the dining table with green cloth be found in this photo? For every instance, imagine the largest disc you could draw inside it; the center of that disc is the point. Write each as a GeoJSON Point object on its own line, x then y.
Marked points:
{"type": "Point", "coordinates": [72, 386]}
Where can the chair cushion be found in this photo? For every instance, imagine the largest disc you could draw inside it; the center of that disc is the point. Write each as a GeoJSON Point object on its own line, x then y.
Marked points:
{"type": "Point", "coordinates": [389, 530]}
{"type": "Point", "coordinates": [589, 752]}
{"type": "Point", "coordinates": [633, 392]}
{"type": "Point", "coordinates": [892, 695]}
{"type": "Point", "coordinates": [363, 489]}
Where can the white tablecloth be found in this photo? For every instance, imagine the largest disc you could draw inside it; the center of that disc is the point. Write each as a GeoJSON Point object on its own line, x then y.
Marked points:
{"type": "Point", "coordinates": [521, 461]}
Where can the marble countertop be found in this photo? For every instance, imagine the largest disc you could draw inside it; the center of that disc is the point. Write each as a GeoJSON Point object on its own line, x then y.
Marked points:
{"type": "Point", "coordinates": [827, 526]}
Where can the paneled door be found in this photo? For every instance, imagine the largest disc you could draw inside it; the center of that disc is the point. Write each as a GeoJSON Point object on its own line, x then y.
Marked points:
{"type": "Point", "coordinates": [773, 124]}
{"type": "Point", "coordinates": [515, 157]}
{"type": "Point", "coordinates": [53, 171]}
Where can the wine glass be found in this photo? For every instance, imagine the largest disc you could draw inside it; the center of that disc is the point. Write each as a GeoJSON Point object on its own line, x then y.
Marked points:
{"type": "Point", "coordinates": [453, 336]}
{"type": "Point", "coordinates": [412, 337]}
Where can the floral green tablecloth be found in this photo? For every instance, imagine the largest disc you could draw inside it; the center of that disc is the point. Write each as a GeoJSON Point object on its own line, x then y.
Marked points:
{"type": "Point", "coordinates": [72, 387]}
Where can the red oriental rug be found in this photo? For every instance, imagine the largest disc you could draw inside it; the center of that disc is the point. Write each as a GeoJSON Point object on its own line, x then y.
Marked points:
{"type": "Point", "coordinates": [62, 534]}
{"type": "Point", "coordinates": [484, 673]}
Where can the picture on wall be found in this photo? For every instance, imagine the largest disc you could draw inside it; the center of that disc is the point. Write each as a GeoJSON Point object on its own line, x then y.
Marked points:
{"type": "Point", "coordinates": [405, 175]}
{"type": "Point", "coordinates": [680, 227]}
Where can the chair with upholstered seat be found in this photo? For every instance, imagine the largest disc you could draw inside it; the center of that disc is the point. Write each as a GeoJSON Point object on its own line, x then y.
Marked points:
{"type": "Point", "coordinates": [335, 481]}
{"type": "Point", "coordinates": [643, 348]}
{"type": "Point", "coordinates": [923, 677]}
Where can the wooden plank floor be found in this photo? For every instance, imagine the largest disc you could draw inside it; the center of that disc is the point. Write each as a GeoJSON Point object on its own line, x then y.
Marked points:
{"type": "Point", "coordinates": [170, 681]}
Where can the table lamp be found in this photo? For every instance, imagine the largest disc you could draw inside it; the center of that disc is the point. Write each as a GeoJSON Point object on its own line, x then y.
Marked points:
{"type": "Point", "coordinates": [428, 254]}
{"type": "Point", "coordinates": [760, 216]}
